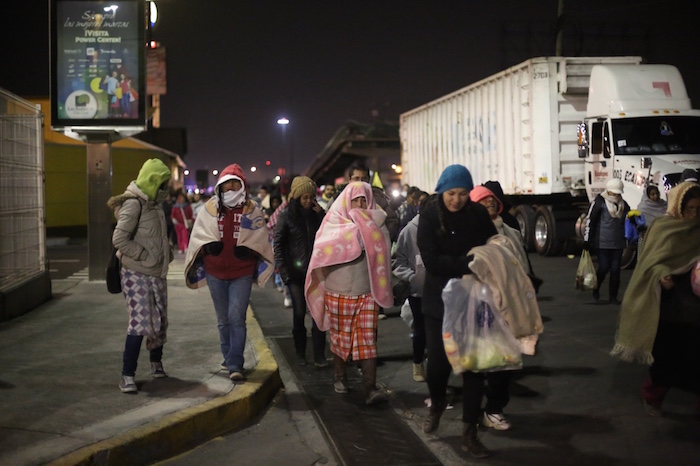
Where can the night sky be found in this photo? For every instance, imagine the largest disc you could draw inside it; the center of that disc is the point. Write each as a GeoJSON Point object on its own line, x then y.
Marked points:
{"type": "Point", "coordinates": [235, 67]}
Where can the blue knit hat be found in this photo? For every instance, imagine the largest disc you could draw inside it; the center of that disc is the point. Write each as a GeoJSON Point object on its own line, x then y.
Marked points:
{"type": "Point", "coordinates": [454, 176]}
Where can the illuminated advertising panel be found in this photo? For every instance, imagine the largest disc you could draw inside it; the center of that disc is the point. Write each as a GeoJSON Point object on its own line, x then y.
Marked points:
{"type": "Point", "coordinates": [98, 65]}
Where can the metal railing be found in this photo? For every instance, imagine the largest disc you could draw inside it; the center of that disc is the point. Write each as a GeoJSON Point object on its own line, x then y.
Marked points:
{"type": "Point", "coordinates": [22, 226]}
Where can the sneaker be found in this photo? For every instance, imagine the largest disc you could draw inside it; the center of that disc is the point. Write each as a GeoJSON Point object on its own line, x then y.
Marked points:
{"type": "Point", "coordinates": [340, 387]}
{"type": "Point", "coordinates": [127, 384]}
{"type": "Point", "coordinates": [376, 396]}
{"type": "Point", "coordinates": [237, 376]}
{"type": "Point", "coordinates": [653, 411]}
{"type": "Point", "coordinates": [596, 295]}
{"type": "Point", "coordinates": [224, 367]}
{"type": "Point", "coordinates": [614, 301]}
{"type": "Point", "coordinates": [496, 420]}
{"type": "Point", "coordinates": [287, 302]}
{"type": "Point", "coordinates": [419, 372]}
{"type": "Point", "coordinates": [157, 370]}
{"type": "Point", "coordinates": [320, 362]}
{"type": "Point", "coordinates": [382, 316]}
{"type": "Point", "coordinates": [301, 360]}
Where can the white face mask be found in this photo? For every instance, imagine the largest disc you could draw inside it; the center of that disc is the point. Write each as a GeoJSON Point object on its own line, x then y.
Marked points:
{"type": "Point", "coordinates": [234, 198]}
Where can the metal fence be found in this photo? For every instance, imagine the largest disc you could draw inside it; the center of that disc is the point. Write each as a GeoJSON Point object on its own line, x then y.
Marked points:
{"type": "Point", "coordinates": [22, 228]}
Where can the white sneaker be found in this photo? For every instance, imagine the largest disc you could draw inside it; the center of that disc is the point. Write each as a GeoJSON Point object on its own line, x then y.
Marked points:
{"type": "Point", "coordinates": [127, 384]}
{"type": "Point", "coordinates": [496, 420]}
{"type": "Point", "coordinates": [287, 302]}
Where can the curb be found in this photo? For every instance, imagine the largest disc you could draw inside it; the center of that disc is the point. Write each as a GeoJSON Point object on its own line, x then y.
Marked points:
{"type": "Point", "coordinates": [186, 429]}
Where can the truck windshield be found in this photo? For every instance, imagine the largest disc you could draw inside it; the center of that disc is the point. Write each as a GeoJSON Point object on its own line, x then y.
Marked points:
{"type": "Point", "coordinates": [656, 135]}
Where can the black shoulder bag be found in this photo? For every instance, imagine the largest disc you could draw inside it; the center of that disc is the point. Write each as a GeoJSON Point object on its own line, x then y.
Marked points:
{"type": "Point", "coordinates": [112, 275]}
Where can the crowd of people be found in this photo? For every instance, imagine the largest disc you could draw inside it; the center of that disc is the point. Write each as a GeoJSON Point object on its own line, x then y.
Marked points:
{"type": "Point", "coordinates": [343, 253]}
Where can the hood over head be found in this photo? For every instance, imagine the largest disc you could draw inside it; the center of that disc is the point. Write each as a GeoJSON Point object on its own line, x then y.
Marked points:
{"type": "Point", "coordinates": [152, 175]}
{"type": "Point", "coordinates": [233, 171]}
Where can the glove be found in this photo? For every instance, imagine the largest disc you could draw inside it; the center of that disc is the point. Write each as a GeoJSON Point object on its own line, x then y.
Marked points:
{"type": "Point", "coordinates": [214, 248]}
{"type": "Point", "coordinates": [470, 257]}
{"type": "Point", "coordinates": [242, 252]}
{"type": "Point", "coordinates": [587, 245]}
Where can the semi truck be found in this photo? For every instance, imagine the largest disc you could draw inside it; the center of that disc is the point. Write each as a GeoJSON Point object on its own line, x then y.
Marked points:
{"type": "Point", "coordinates": [552, 131]}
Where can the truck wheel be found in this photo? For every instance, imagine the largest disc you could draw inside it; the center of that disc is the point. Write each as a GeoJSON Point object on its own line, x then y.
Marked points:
{"type": "Point", "coordinates": [545, 232]}
{"type": "Point", "coordinates": [525, 216]}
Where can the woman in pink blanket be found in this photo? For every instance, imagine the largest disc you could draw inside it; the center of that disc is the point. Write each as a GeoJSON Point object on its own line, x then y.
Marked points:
{"type": "Point", "coordinates": [348, 280]}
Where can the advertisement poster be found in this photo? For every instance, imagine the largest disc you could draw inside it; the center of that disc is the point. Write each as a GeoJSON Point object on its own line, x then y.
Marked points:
{"type": "Point", "coordinates": [98, 51]}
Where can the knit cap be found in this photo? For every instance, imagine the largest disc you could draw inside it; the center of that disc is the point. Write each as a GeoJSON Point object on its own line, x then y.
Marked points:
{"type": "Point", "coordinates": [302, 185]}
{"type": "Point", "coordinates": [454, 176]}
{"type": "Point", "coordinates": [482, 192]}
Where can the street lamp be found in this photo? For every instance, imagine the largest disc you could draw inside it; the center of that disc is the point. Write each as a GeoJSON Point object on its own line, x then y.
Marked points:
{"type": "Point", "coordinates": [283, 122]}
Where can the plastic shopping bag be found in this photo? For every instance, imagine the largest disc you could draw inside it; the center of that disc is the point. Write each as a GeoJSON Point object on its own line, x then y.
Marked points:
{"type": "Point", "coordinates": [475, 335]}
{"type": "Point", "coordinates": [586, 278]}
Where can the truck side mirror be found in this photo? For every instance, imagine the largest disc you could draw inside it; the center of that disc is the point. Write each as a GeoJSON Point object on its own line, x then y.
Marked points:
{"type": "Point", "coordinates": [582, 141]}
{"type": "Point", "coordinates": [645, 162]}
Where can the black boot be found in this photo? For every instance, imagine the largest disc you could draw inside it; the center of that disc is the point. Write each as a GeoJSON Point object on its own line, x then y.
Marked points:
{"type": "Point", "coordinates": [369, 381]}
{"type": "Point", "coordinates": [318, 340]}
{"type": "Point", "coordinates": [300, 346]}
{"type": "Point", "coordinates": [432, 422]}
{"type": "Point", "coordinates": [472, 444]}
{"type": "Point", "coordinates": [614, 287]}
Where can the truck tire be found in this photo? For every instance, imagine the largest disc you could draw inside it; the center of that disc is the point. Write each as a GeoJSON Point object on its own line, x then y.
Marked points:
{"type": "Point", "coordinates": [525, 216]}
{"type": "Point", "coordinates": [545, 232]}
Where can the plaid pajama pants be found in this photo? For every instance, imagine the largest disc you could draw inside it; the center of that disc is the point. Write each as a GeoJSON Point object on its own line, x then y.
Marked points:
{"type": "Point", "coordinates": [353, 328]}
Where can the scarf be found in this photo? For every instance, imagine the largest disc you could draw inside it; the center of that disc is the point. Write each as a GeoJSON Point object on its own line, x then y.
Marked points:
{"type": "Point", "coordinates": [615, 204]}
{"type": "Point", "coordinates": [672, 246]}
{"type": "Point", "coordinates": [253, 235]}
{"type": "Point", "coordinates": [341, 238]}
{"type": "Point", "coordinates": [650, 209]}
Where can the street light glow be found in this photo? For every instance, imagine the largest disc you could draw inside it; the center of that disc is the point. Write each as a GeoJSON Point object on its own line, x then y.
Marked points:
{"type": "Point", "coordinates": [283, 121]}
{"type": "Point", "coordinates": [186, 172]}
{"type": "Point", "coordinates": [253, 169]}
{"type": "Point", "coordinates": [215, 172]}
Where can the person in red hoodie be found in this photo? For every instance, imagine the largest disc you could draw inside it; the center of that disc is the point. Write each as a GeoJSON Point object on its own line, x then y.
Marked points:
{"type": "Point", "coordinates": [229, 249]}
{"type": "Point", "coordinates": [182, 218]}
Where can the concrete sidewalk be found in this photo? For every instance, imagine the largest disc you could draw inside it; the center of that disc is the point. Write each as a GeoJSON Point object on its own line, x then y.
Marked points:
{"type": "Point", "coordinates": [60, 366]}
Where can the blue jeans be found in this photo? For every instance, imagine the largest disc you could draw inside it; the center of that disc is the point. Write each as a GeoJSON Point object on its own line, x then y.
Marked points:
{"type": "Point", "coordinates": [132, 349]}
{"type": "Point", "coordinates": [231, 299]}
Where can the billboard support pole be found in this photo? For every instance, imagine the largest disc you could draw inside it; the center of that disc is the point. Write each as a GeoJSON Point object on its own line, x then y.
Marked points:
{"type": "Point", "coordinates": [99, 190]}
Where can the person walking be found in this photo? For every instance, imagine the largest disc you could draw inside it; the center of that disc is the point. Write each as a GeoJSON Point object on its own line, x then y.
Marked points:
{"type": "Point", "coordinates": [659, 322]}
{"type": "Point", "coordinates": [230, 249]}
{"type": "Point", "coordinates": [293, 243]}
{"type": "Point", "coordinates": [448, 227]}
{"type": "Point", "coordinates": [140, 238]}
{"type": "Point", "coordinates": [407, 265]}
{"type": "Point", "coordinates": [183, 220]}
{"type": "Point", "coordinates": [650, 207]}
{"type": "Point", "coordinates": [348, 279]}
{"type": "Point", "coordinates": [605, 233]}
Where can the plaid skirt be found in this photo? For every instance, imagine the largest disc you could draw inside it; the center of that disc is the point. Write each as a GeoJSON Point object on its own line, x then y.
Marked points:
{"type": "Point", "coordinates": [147, 303]}
{"type": "Point", "coordinates": [353, 329]}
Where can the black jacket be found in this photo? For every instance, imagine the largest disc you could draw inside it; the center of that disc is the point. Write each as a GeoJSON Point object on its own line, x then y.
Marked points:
{"type": "Point", "coordinates": [445, 253]}
{"type": "Point", "coordinates": [599, 225]}
{"type": "Point", "coordinates": [295, 232]}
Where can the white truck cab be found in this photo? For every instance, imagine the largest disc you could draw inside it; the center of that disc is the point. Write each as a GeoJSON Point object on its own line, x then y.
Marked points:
{"type": "Point", "coordinates": [639, 127]}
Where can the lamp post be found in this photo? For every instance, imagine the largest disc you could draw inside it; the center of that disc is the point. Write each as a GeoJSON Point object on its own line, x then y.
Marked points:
{"type": "Point", "coordinates": [283, 122]}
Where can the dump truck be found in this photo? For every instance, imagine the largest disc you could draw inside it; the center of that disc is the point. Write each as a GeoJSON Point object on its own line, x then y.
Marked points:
{"type": "Point", "coordinates": [553, 131]}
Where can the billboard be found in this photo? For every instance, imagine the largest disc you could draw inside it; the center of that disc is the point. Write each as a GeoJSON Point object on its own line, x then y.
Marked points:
{"type": "Point", "coordinates": [98, 65]}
